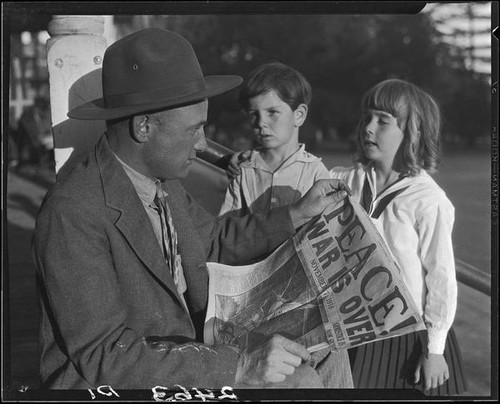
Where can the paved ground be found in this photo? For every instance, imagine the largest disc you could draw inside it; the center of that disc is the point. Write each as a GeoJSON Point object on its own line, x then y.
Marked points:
{"type": "Point", "coordinates": [25, 192]}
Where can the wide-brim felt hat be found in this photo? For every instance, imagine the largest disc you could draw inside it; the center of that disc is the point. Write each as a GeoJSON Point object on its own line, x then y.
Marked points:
{"type": "Point", "coordinates": [151, 70]}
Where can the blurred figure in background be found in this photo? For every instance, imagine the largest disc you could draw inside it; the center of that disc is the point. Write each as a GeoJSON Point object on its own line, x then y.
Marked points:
{"type": "Point", "coordinates": [35, 144]}
{"type": "Point", "coordinates": [12, 153]}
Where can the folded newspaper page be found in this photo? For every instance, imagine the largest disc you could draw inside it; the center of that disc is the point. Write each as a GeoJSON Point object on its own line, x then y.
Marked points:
{"type": "Point", "coordinates": [334, 284]}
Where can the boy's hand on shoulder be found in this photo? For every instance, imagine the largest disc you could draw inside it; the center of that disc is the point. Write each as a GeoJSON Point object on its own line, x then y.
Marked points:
{"type": "Point", "coordinates": [233, 168]}
{"type": "Point", "coordinates": [434, 370]}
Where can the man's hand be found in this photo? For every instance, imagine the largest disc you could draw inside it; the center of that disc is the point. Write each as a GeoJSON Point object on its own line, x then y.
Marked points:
{"type": "Point", "coordinates": [434, 369]}
{"type": "Point", "coordinates": [315, 201]}
{"type": "Point", "coordinates": [270, 363]}
{"type": "Point", "coordinates": [233, 169]}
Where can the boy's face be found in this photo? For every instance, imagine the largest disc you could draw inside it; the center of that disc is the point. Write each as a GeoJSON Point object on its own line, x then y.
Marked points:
{"type": "Point", "coordinates": [274, 123]}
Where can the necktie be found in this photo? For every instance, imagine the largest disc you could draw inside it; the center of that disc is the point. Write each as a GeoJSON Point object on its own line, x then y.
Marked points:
{"type": "Point", "coordinates": [169, 240]}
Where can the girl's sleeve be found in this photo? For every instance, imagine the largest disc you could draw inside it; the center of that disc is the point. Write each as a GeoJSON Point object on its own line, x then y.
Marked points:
{"type": "Point", "coordinates": [435, 229]}
{"type": "Point", "coordinates": [233, 200]}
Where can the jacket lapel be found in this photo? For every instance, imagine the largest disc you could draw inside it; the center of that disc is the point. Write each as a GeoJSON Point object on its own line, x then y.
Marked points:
{"type": "Point", "coordinates": [133, 221]}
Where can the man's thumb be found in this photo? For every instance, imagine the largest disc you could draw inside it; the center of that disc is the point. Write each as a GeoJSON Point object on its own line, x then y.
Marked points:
{"type": "Point", "coordinates": [339, 195]}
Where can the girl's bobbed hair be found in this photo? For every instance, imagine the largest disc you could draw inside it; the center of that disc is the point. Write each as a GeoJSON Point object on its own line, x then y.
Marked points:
{"type": "Point", "coordinates": [419, 118]}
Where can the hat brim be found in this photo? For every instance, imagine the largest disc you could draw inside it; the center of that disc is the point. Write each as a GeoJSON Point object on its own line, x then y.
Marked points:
{"type": "Point", "coordinates": [96, 110]}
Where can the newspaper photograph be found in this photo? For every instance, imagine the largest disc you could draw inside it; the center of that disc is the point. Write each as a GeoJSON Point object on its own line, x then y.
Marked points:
{"type": "Point", "coordinates": [334, 284]}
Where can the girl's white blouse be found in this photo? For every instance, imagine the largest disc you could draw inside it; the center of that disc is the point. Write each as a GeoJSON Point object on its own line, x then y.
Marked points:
{"type": "Point", "coordinates": [417, 226]}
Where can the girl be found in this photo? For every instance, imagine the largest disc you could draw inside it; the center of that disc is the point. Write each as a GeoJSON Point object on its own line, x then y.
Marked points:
{"type": "Point", "coordinates": [278, 172]}
{"type": "Point", "coordinates": [399, 146]}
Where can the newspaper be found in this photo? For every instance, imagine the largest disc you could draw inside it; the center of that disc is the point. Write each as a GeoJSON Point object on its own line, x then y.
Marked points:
{"type": "Point", "coordinates": [334, 284]}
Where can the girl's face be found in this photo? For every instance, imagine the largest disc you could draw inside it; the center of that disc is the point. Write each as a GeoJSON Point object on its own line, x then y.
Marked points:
{"type": "Point", "coordinates": [274, 123]}
{"type": "Point", "coordinates": [380, 136]}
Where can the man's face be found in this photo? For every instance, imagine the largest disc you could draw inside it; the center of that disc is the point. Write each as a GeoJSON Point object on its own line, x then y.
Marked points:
{"type": "Point", "coordinates": [176, 136]}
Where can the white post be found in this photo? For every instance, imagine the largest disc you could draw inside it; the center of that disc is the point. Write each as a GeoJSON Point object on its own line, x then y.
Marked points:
{"type": "Point", "coordinates": [74, 55]}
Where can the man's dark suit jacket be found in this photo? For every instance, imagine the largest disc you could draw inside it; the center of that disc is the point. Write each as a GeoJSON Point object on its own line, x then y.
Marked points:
{"type": "Point", "coordinates": [110, 312]}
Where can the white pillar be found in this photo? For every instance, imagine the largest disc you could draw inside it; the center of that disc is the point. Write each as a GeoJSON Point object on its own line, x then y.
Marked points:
{"type": "Point", "coordinates": [74, 55]}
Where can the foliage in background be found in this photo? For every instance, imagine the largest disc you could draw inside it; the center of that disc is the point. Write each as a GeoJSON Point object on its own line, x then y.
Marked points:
{"type": "Point", "coordinates": [342, 56]}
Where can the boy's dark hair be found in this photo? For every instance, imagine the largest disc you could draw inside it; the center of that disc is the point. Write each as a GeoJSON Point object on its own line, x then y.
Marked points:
{"type": "Point", "coordinates": [290, 85]}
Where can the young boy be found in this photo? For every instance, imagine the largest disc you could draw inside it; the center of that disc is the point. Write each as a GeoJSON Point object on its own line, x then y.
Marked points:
{"type": "Point", "coordinates": [279, 171]}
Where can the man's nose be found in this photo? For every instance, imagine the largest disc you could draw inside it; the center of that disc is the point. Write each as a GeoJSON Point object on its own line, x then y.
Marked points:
{"type": "Point", "coordinates": [201, 141]}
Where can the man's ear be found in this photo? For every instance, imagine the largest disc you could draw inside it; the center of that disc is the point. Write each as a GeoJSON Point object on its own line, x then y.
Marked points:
{"type": "Point", "coordinates": [141, 128]}
{"type": "Point", "coordinates": [300, 114]}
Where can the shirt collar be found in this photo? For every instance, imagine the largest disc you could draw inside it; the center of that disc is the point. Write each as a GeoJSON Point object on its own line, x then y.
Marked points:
{"type": "Point", "coordinates": [401, 181]}
{"type": "Point", "coordinates": [144, 186]}
{"type": "Point", "coordinates": [300, 155]}
{"type": "Point", "coordinates": [304, 156]}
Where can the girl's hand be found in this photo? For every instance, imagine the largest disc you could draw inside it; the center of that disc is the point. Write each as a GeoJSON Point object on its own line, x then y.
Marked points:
{"type": "Point", "coordinates": [434, 369]}
{"type": "Point", "coordinates": [233, 169]}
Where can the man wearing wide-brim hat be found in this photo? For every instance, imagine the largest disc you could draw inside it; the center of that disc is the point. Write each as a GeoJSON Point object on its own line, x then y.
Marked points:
{"type": "Point", "coordinates": [121, 248]}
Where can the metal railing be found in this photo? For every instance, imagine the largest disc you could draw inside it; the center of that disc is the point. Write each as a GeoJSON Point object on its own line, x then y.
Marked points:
{"type": "Point", "coordinates": [216, 154]}
{"type": "Point", "coordinates": [473, 277]}
{"type": "Point", "coordinates": [219, 156]}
